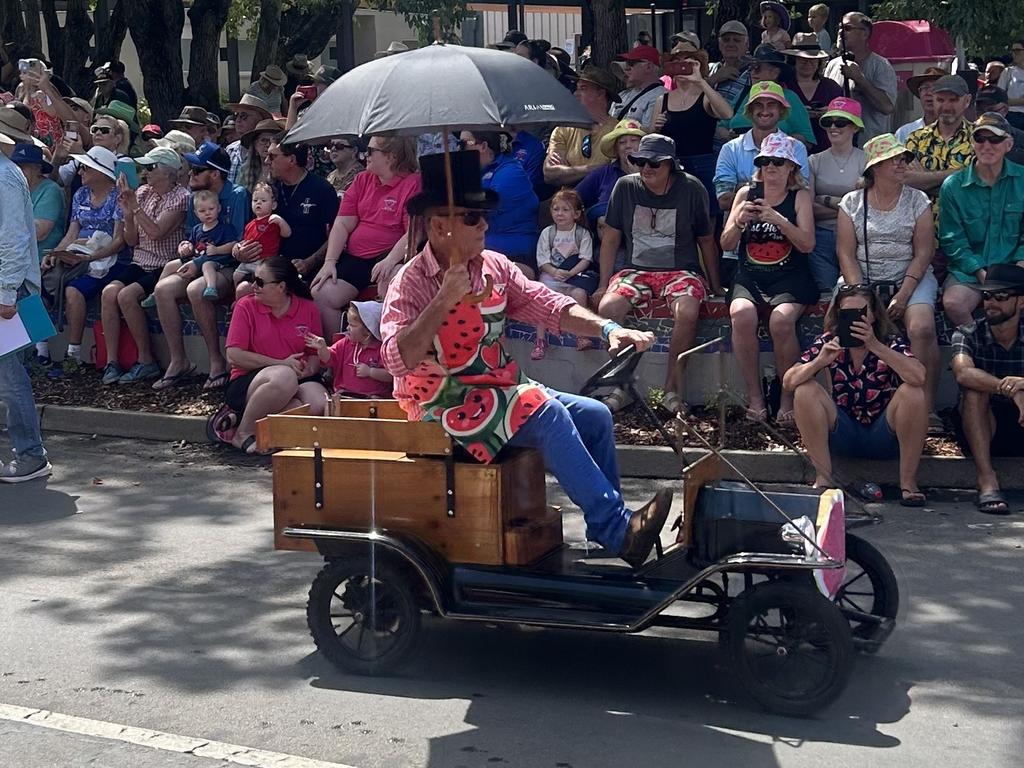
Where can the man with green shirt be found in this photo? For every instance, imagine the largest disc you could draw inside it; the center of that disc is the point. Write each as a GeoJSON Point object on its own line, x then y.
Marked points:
{"type": "Point", "coordinates": [981, 216]}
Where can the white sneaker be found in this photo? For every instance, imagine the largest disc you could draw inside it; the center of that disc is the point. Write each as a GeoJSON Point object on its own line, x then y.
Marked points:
{"type": "Point", "coordinates": [24, 469]}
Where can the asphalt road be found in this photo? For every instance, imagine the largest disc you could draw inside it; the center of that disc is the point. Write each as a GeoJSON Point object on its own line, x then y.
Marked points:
{"type": "Point", "coordinates": [139, 587]}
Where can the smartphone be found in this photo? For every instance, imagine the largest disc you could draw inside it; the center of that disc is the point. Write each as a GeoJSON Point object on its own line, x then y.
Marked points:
{"type": "Point", "coordinates": [847, 317]}
{"type": "Point", "coordinates": [756, 191]}
{"type": "Point", "coordinates": [72, 130]}
{"type": "Point", "coordinates": [307, 91]}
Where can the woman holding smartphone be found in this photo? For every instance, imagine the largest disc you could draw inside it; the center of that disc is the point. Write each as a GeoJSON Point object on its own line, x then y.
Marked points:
{"type": "Point", "coordinates": [689, 113]}
{"type": "Point", "coordinates": [874, 408]}
{"type": "Point", "coordinates": [885, 236]}
{"type": "Point", "coordinates": [772, 225]}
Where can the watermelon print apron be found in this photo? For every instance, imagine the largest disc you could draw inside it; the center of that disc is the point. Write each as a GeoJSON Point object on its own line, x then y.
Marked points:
{"type": "Point", "coordinates": [470, 385]}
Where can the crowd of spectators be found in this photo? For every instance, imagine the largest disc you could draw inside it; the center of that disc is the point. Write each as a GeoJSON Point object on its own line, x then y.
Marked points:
{"type": "Point", "coordinates": [751, 178]}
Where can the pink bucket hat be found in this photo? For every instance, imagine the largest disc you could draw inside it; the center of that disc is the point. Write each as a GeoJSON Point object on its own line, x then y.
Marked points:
{"type": "Point", "coordinates": [844, 107]}
{"type": "Point", "coordinates": [778, 145]}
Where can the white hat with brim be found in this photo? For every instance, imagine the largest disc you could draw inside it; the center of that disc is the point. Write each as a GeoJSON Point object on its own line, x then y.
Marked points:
{"type": "Point", "coordinates": [100, 159]}
{"type": "Point", "coordinates": [370, 313]}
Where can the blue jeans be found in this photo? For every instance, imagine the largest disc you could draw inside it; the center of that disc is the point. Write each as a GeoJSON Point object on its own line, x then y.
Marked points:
{"type": "Point", "coordinates": [574, 435]}
{"type": "Point", "coordinates": [22, 419]}
{"type": "Point", "coordinates": [823, 260]}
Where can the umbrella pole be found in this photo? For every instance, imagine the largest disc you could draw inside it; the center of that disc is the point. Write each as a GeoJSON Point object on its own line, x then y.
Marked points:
{"type": "Point", "coordinates": [472, 298]}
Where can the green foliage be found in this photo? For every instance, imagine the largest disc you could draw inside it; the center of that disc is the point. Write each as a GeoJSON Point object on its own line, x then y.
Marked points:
{"type": "Point", "coordinates": [986, 27]}
{"type": "Point", "coordinates": [418, 14]}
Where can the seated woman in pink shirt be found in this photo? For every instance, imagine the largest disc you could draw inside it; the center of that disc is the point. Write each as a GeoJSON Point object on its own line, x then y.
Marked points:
{"type": "Point", "coordinates": [368, 240]}
{"type": "Point", "coordinates": [354, 359]}
{"type": "Point", "coordinates": [272, 370]}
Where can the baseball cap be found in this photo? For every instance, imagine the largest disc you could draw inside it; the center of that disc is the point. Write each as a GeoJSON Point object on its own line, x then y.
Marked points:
{"type": "Point", "coordinates": [642, 53]}
{"type": "Point", "coordinates": [209, 155]}
{"type": "Point", "coordinates": [991, 94]}
{"type": "Point", "coordinates": [160, 156]}
{"type": "Point", "coordinates": [153, 131]}
{"type": "Point", "coordinates": [733, 27]}
{"type": "Point", "coordinates": [685, 37]}
{"type": "Point", "coordinates": [992, 122]}
{"type": "Point", "coordinates": [951, 84]}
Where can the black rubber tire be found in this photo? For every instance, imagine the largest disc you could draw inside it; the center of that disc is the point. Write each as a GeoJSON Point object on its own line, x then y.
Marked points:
{"type": "Point", "coordinates": [811, 633]}
{"type": "Point", "coordinates": [384, 640]}
{"type": "Point", "coordinates": [883, 599]}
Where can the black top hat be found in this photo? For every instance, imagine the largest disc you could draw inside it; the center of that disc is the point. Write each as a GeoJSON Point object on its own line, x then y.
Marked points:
{"type": "Point", "coordinates": [466, 188]}
{"type": "Point", "coordinates": [1003, 277]}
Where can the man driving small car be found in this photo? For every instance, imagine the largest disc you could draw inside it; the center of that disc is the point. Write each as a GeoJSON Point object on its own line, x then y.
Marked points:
{"type": "Point", "coordinates": [442, 328]}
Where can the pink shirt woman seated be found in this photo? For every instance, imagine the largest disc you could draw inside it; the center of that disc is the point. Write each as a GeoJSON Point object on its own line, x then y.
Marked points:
{"type": "Point", "coordinates": [368, 240]}
{"type": "Point", "coordinates": [272, 370]}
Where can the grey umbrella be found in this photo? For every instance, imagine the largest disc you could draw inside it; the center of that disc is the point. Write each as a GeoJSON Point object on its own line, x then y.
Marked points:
{"type": "Point", "coordinates": [439, 87]}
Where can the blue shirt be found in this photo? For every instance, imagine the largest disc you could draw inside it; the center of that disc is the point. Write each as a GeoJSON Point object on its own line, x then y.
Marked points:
{"type": "Point", "coordinates": [19, 264]}
{"type": "Point", "coordinates": [234, 208]}
{"type": "Point", "coordinates": [512, 227]}
{"type": "Point", "coordinates": [735, 165]}
{"type": "Point", "coordinates": [309, 207]}
{"type": "Point", "coordinates": [220, 234]}
{"type": "Point", "coordinates": [529, 151]}
{"type": "Point", "coordinates": [596, 189]}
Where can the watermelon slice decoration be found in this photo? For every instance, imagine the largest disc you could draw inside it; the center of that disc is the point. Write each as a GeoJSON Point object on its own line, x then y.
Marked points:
{"type": "Point", "coordinates": [427, 388]}
{"type": "Point", "coordinates": [480, 412]}
{"type": "Point", "coordinates": [491, 355]}
{"type": "Point", "coordinates": [831, 527]}
{"type": "Point", "coordinates": [493, 304]}
{"type": "Point", "coordinates": [772, 252]}
{"type": "Point", "coordinates": [526, 401]}
{"type": "Point", "coordinates": [485, 450]}
{"type": "Point", "coordinates": [459, 337]}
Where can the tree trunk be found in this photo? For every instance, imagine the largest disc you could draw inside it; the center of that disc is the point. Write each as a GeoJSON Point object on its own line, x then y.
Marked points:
{"type": "Point", "coordinates": [609, 31]}
{"type": "Point", "coordinates": [109, 42]}
{"type": "Point", "coordinates": [78, 31]}
{"type": "Point", "coordinates": [12, 22]}
{"type": "Point", "coordinates": [156, 27]}
{"type": "Point", "coordinates": [33, 34]}
{"type": "Point", "coordinates": [208, 18]}
{"type": "Point", "coordinates": [305, 30]}
{"type": "Point", "coordinates": [267, 35]}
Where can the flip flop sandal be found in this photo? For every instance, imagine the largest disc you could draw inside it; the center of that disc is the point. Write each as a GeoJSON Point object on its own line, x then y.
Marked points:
{"type": "Point", "coordinates": [167, 382]}
{"type": "Point", "coordinates": [221, 426]}
{"type": "Point", "coordinates": [616, 401]}
{"type": "Point", "coordinates": [785, 418]}
{"type": "Point", "coordinates": [214, 383]}
{"type": "Point", "coordinates": [992, 503]}
{"type": "Point", "coordinates": [248, 446]}
{"type": "Point", "coordinates": [912, 498]}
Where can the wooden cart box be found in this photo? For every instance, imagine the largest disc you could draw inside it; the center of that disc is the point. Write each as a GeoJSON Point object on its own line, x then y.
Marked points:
{"type": "Point", "coordinates": [389, 473]}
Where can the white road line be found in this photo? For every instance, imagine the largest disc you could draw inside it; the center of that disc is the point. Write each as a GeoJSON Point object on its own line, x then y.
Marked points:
{"type": "Point", "coordinates": [168, 742]}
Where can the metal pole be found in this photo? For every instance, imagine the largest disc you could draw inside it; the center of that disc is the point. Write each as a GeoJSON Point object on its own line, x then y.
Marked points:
{"type": "Point", "coordinates": [654, 27]}
{"type": "Point", "coordinates": [345, 49]}
{"type": "Point", "coordinates": [513, 14]}
{"type": "Point", "coordinates": [234, 86]}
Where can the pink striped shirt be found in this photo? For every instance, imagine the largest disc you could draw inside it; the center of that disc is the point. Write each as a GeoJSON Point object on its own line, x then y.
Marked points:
{"type": "Point", "coordinates": [419, 281]}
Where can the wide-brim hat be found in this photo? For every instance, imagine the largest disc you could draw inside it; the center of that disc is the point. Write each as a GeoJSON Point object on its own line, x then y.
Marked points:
{"type": "Point", "coordinates": [190, 116]}
{"type": "Point", "coordinates": [100, 159]}
{"type": "Point", "coordinates": [179, 141]}
{"type": "Point", "coordinates": [29, 154]}
{"type": "Point", "coordinates": [275, 76]}
{"type": "Point", "coordinates": [847, 108]}
{"type": "Point", "coordinates": [298, 64]}
{"type": "Point", "coordinates": [263, 126]}
{"type": "Point", "coordinates": [79, 103]}
{"type": "Point", "coordinates": [626, 127]}
{"type": "Point", "coordinates": [930, 75]}
{"type": "Point", "coordinates": [655, 147]}
{"type": "Point", "coordinates": [467, 191]}
{"type": "Point", "coordinates": [120, 111]}
{"type": "Point", "coordinates": [767, 54]}
{"type": "Point", "coordinates": [780, 11]}
{"type": "Point", "coordinates": [685, 36]}
{"type": "Point", "coordinates": [778, 145]}
{"type": "Point", "coordinates": [1002, 277]}
{"type": "Point", "coordinates": [326, 74]}
{"type": "Point", "coordinates": [370, 313]}
{"type": "Point", "coordinates": [805, 45]}
{"type": "Point", "coordinates": [882, 148]}
{"type": "Point", "coordinates": [602, 78]}
{"type": "Point", "coordinates": [248, 101]}
{"type": "Point", "coordinates": [14, 127]}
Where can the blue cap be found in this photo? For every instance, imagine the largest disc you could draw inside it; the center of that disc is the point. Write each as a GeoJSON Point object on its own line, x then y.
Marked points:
{"type": "Point", "coordinates": [30, 154]}
{"type": "Point", "coordinates": [209, 155]}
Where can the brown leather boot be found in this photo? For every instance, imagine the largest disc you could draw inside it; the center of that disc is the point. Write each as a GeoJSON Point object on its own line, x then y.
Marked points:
{"type": "Point", "coordinates": [644, 527]}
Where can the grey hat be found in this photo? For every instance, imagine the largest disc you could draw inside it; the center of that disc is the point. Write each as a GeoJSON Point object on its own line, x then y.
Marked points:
{"type": "Point", "coordinates": [951, 84]}
{"type": "Point", "coordinates": [656, 147]}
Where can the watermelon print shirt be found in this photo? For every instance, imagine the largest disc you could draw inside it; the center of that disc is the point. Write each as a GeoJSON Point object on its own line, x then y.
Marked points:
{"type": "Point", "coordinates": [864, 393]}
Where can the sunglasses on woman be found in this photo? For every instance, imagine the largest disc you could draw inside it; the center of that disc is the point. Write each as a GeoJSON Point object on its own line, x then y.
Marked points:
{"type": "Point", "coordinates": [778, 162]}
{"type": "Point", "coordinates": [848, 288]}
{"type": "Point", "coordinates": [834, 122]}
{"type": "Point", "coordinates": [259, 282]}
{"type": "Point", "coordinates": [100, 130]}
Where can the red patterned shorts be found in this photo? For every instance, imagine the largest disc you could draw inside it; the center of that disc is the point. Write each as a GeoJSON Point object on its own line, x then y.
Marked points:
{"type": "Point", "coordinates": [643, 287]}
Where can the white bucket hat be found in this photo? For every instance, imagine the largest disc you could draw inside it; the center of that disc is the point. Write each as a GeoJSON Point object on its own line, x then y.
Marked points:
{"type": "Point", "coordinates": [370, 313]}
{"type": "Point", "coordinates": [100, 159]}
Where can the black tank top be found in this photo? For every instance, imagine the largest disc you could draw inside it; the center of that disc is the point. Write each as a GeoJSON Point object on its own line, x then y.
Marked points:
{"type": "Point", "coordinates": [693, 129]}
{"type": "Point", "coordinates": [763, 247]}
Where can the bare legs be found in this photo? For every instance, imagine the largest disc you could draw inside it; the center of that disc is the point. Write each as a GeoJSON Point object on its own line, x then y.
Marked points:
{"type": "Point", "coordinates": [782, 327]}
{"type": "Point", "coordinates": [274, 389]}
{"type": "Point", "coordinates": [959, 301]}
{"type": "Point", "coordinates": [920, 322]}
{"type": "Point", "coordinates": [979, 426]}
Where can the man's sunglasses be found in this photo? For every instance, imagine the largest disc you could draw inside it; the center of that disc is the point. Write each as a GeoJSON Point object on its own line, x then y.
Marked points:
{"type": "Point", "coordinates": [778, 162]}
{"type": "Point", "coordinates": [998, 295]}
{"type": "Point", "coordinates": [837, 122]}
{"type": "Point", "coordinates": [988, 138]}
{"type": "Point", "coordinates": [472, 218]}
{"type": "Point", "coordinates": [340, 145]}
{"type": "Point", "coordinates": [196, 170]}
{"type": "Point", "coordinates": [643, 162]}
{"type": "Point", "coordinates": [261, 283]}
{"type": "Point", "coordinates": [100, 130]}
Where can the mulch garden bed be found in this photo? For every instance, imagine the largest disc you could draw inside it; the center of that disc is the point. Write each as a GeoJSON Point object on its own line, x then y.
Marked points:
{"type": "Point", "coordinates": [85, 389]}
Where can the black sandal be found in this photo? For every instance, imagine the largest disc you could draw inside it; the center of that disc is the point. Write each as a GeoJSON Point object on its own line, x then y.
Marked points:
{"type": "Point", "coordinates": [992, 503]}
{"type": "Point", "coordinates": [248, 446]}
{"type": "Point", "coordinates": [215, 382]}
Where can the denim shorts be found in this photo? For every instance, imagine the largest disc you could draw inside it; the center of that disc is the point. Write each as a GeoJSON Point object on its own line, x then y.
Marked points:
{"type": "Point", "coordinates": [863, 441]}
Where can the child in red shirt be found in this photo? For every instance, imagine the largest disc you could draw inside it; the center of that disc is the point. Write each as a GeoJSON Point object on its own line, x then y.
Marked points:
{"type": "Point", "coordinates": [267, 229]}
{"type": "Point", "coordinates": [354, 359]}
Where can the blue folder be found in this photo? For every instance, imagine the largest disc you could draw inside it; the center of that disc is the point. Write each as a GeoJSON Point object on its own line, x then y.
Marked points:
{"type": "Point", "coordinates": [36, 320]}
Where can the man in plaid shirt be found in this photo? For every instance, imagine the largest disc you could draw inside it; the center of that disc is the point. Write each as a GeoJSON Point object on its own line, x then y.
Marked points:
{"type": "Point", "coordinates": [988, 362]}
